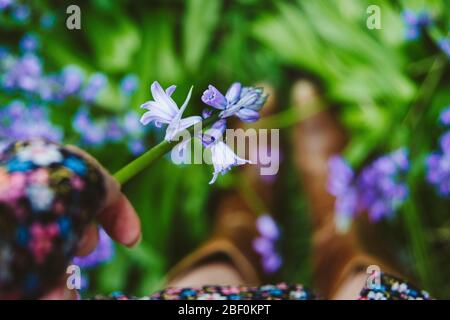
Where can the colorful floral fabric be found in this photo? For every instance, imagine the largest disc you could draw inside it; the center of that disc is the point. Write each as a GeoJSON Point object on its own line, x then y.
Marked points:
{"type": "Point", "coordinates": [48, 194]}
{"type": "Point", "coordinates": [281, 291]}
{"type": "Point", "coordinates": [392, 288]}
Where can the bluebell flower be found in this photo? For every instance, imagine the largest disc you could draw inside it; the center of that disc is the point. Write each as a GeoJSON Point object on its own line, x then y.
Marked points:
{"type": "Point", "coordinates": [164, 110]}
{"type": "Point", "coordinates": [444, 44]}
{"type": "Point", "coordinates": [19, 122]}
{"type": "Point", "coordinates": [438, 172]}
{"type": "Point", "coordinates": [438, 166]}
{"type": "Point", "coordinates": [114, 130]}
{"type": "Point", "coordinates": [340, 184]}
{"type": "Point", "coordinates": [215, 133]}
{"type": "Point", "coordinates": [131, 124]}
{"type": "Point", "coordinates": [382, 190]}
{"type": "Point", "coordinates": [93, 133]}
{"type": "Point", "coordinates": [414, 22]}
{"type": "Point", "coordinates": [24, 73]}
{"type": "Point", "coordinates": [445, 116]}
{"type": "Point", "coordinates": [21, 13]}
{"type": "Point", "coordinates": [242, 102]}
{"type": "Point", "coordinates": [341, 176]}
{"type": "Point", "coordinates": [206, 113]}
{"type": "Point", "coordinates": [267, 227]}
{"type": "Point", "coordinates": [103, 253]}
{"type": "Point", "coordinates": [95, 84]}
{"type": "Point", "coordinates": [129, 84]}
{"type": "Point", "coordinates": [136, 147]}
{"type": "Point", "coordinates": [71, 80]}
{"type": "Point", "coordinates": [4, 52]}
{"type": "Point", "coordinates": [265, 244]}
{"type": "Point", "coordinates": [47, 20]}
{"type": "Point", "coordinates": [444, 143]}
{"type": "Point", "coordinates": [271, 263]}
{"type": "Point", "coordinates": [223, 159]}
{"type": "Point", "coordinates": [4, 4]}
{"type": "Point", "coordinates": [29, 42]}
{"type": "Point", "coordinates": [379, 189]}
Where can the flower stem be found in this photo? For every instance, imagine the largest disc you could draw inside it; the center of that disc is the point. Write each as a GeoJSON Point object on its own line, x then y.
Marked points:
{"type": "Point", "coordinates": [152, 155]}
{"type": "Point", "coordinates": [140, 163]}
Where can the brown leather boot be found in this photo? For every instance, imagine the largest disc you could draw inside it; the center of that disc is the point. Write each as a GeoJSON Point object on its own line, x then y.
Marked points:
{"type": "Point", "coordinates": [314, 141]}
{"type": "Point", "coordinates": [234, 231]}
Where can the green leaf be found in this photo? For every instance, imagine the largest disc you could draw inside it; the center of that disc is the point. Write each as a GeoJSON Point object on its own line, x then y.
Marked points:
{"type": "Point", "coordinates": [200, 20]}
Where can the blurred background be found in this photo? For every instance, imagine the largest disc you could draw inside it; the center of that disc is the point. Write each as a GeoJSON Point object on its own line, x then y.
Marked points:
{"type": "Point", "coordinates": [389, 87]}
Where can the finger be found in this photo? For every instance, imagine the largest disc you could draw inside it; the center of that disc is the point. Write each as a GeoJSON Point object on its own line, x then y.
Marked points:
{"type": "Point", "coordinates": [112, 187]}
{"type": "Point", "coordinates": [121, 222]}
{"type": "Point", "coordinates": [89, 240]}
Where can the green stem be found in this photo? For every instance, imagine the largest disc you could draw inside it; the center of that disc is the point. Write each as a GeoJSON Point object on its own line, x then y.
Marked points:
{"type": "Point", "coordinates": [140, 163]}
{"type": "Point", "coordinates": [152, 155]}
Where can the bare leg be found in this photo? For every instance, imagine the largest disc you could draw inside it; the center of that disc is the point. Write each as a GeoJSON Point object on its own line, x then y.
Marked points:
{"type": "Point", "coordinates": [212, 273]}
{"type": "Point", "coordinates": [351, 287]}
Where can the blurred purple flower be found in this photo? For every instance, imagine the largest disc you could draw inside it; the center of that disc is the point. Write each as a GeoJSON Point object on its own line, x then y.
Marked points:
{"type": "Point", "coordinates": [29, 42]}
{"type": "Point", "coordinates": [265, 244]}
{"type": "Point", "coordinates": [267, 227]}
{"type": "Point", "coordinates": [438, 172]}
{"type": "Point", "coordinates": [21, 13]}
{"type": "Point", "coordinates": [93, 133]}
{"type": "Point", "coordinates": [21, 122]}
{"type": "Point", "coordinates": [47, 20]}
{"type": "Point", "coordinates": [5, 4]}
{"type": "Point", "coordinates": [114, 131]}
{"type": "Point", "coordinates": [23, 73]}
{"type": "Point", "coordinates": [129, 84]}
{"type": "Point", "coordinates": [95, 84]}
{"type": "Point", "coordinates": [380, 185]}
{"type": "Point", "coordinates": [272, 262]}
{"type": "Point", "coordinates": [341, 176]}
{"type": "Point", "coordinates": [445, 143]}
{"type": "Point", "coordinates": [340, 184]}
{"type": "Point", "coordinates": [438, 163]}
{"type": "Point", "coordinates": [4, 53]}
{"type": "Point", "coordinates": [136, 147]}
{"type": "Point", "coordinates": [413, 22]}
{"type": "Point", "coordinates": [379, 189]}
{"type": "Point", "coordinates": [71, 80]}
{"type": "Point", "coordinates": [131, 124]}
{"type": "Point", "coordinates": [444, 44]}
{"type": "Point", "coordinates": [102, 253]}
{"type": "Point", "coordinates": [445, 116]}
